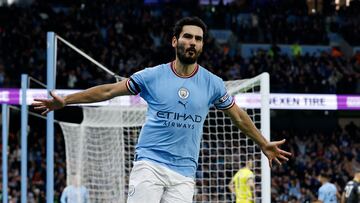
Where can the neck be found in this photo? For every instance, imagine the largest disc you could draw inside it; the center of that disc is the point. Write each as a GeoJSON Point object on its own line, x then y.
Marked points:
{"type": "Point", "coordinates": [357, 178]}
{"type": "Point", "coordinates": [184, 69]}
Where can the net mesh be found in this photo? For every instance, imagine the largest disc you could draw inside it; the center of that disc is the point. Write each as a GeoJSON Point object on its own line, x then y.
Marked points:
{"type": "Point", "coordinates": [224, 150]}
{"type": "Point", "coordinates": [101, 150]}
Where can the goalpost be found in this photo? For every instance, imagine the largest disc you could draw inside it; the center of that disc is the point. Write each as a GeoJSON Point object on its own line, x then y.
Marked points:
{"type": "Point", "coordinates": [101, 148]}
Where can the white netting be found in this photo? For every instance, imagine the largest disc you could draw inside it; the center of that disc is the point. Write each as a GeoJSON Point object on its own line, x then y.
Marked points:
{"type": "Point", "coordinates": [224, 150]}
{"type": "Point", "coordinates": [101, 150]}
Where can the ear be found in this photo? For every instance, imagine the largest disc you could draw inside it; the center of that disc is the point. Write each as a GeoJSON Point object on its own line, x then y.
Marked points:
{"type": "Point", "coordinates": [174, 42]}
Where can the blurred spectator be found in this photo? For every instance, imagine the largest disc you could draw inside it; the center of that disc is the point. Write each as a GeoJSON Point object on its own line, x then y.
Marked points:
{"type": "Point", "coordinates": [351, 192]}
{"type": "Point", "coordinates": [327, 192]}
{"type": "Point", "coordinates": [296, 50]}
{"type": "Point", "coordinates": [75, 192]}
{"type": "Point", "coordinates": [336, 52]}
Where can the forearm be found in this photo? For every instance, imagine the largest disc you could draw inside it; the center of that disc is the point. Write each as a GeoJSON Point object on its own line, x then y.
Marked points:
{"type": "Point", "coordinates": [271, 149]}
{"type": "Point", "coordinates": [94, 94]}
{"type": "Point", "coordinates": [342, 198]}
{"type": "Point", "coordinates": [231, 187]}
{"type": "Point", "coordinates": [246, 125]}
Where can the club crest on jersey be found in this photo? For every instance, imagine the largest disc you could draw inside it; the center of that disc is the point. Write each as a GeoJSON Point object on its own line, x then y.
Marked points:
{"type": "Point", "coordinates": [183, 93]}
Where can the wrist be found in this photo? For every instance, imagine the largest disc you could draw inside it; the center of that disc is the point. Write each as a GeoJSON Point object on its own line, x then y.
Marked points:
{"type": "Point", "coordinates": [65, 101]}
{"type": "Point", "coordinates": [263, 144]}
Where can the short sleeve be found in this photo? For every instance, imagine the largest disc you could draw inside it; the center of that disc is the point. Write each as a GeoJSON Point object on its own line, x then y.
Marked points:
{"type": "Point", "coordinates": [136, 82]}
{"type": "Point", "coordinates": [251, 176]}
{"type": "Point", "coordinates": [222, 100]}
{"type": "Point", "coordinates": [321, 195]}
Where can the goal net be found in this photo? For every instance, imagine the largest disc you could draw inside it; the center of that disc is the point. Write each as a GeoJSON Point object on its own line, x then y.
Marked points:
{"type": "Point", "coordinates": [101, 149]}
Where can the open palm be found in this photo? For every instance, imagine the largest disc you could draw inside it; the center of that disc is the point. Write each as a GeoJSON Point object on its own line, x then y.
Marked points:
{"type": "Point", "coordinates": [273, 152]}
{"type": "Point", "coordinates": [47, 105]}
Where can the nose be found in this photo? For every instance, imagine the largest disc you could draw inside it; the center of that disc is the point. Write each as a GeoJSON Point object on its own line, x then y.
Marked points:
{"type": "Point", "coordinates": [192, 42]}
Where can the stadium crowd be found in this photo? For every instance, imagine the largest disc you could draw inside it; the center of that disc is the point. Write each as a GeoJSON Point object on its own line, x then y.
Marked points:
{"type": "Point", "coordinates": [127, 35]}
{"type": "Point", "coordinates": [36, 163]}
{"type": "Point", "coordinates": [316, 152]}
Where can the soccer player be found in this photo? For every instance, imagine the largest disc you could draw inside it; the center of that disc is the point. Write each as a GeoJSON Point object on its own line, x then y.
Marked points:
{"type": "Point", "coordinates": [351, 192]}
{"type": "Point", "coordinates": [179, 95]}
{"type": "Point", "coordinates": [75, 193]}
{"type": "Point", "coordinates": [327, 192]}
{"type": "Point", "coordinates": [242, 184]}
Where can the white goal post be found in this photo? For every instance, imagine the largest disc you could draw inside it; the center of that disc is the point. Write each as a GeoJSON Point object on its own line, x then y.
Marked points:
{"type": "Point", "coordinates": [101, 148]}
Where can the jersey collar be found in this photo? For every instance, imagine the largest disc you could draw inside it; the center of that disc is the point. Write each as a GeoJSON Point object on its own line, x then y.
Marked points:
{"type": "Point", "coordinates": [172, 65]}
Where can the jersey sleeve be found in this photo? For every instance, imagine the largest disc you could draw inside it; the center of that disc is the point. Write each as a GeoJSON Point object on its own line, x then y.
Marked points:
{"type": "Point", "coordinates": [251, 175]}
{"type": "Point", "coordinates": [137, 82]}
{"type": "Point", "coordinates": [222, 100]}
{"type": "Point", "coordinates": [353, 193]}
{"type": "Point", "coordinates": [63, 198]}
{"type": "Point", "coordinates": [321, 195]}
{"type": "Point", "coordinates": [87, 199]}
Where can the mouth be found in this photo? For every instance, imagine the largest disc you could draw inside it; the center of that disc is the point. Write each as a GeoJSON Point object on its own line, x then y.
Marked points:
{"type": "Point", "coordinates": [191, 51]}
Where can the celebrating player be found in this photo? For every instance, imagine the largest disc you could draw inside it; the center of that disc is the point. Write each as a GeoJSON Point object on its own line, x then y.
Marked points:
{"type": "Point", "coordinates": [179, 95]}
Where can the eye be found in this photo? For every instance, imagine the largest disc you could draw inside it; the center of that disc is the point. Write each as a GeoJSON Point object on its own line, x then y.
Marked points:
{"type": "Point", "coordinates": [188, 36]}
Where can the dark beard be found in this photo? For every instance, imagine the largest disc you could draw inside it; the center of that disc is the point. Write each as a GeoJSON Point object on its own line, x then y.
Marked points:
{"type": "Point", "coordinates": [181, 54]}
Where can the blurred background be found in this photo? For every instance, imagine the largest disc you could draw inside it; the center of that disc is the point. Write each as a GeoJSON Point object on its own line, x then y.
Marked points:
{"type": "Point", "coordinates": [307, 46]}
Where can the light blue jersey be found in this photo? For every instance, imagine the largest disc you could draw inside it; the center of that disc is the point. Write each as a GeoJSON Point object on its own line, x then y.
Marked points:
{"type": "Point", "coordinates": [72, 194]}
{"type": "Point", "coordinates": [177, 108]}
{"type": "Point", "coordinates": [327, 193]}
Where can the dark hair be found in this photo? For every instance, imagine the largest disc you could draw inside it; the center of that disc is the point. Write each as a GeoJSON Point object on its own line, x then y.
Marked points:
{"type": "Point", "coordinates": [188, 21]}
{"type": "Point", "coordinates": [324, 175]}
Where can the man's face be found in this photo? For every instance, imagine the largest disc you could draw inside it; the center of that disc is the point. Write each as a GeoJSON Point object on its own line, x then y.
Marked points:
{"type": "Point", "coordinates": [76, 180]}
{"type": "Point", "coordinates": [189, 45]}
{"type": "Point", "coordinates": [320, 179]}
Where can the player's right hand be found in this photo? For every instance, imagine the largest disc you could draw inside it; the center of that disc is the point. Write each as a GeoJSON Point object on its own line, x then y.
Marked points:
{"type": "Point", "coordinates": [47, 105]}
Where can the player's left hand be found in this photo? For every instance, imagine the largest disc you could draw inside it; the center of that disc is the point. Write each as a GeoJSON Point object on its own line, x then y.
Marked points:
{"type": "Point", "coordinates": [273, 152]}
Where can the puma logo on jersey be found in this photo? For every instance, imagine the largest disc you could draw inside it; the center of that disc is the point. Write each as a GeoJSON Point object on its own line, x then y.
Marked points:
{"type": "Point", "coordinates": [183, 104]}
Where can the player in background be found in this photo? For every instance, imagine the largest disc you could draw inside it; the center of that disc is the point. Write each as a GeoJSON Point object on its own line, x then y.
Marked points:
{"type": "Point", "coordinates": [75, 193]}
{"type": "Point", "coordinates": [243, 183]}
{"type": "Point", "coordinates": [351, 192]}
{"type": "Point", "coordinates": [327, 192]}
{"type": "Point", "coordinates": [179, 95]}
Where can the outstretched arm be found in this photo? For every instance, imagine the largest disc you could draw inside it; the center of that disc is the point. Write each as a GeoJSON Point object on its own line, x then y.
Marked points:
{"type": "Point", "coordinates": [271, 149]}
{"type": "Point", "coordinates": [94, 94]}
